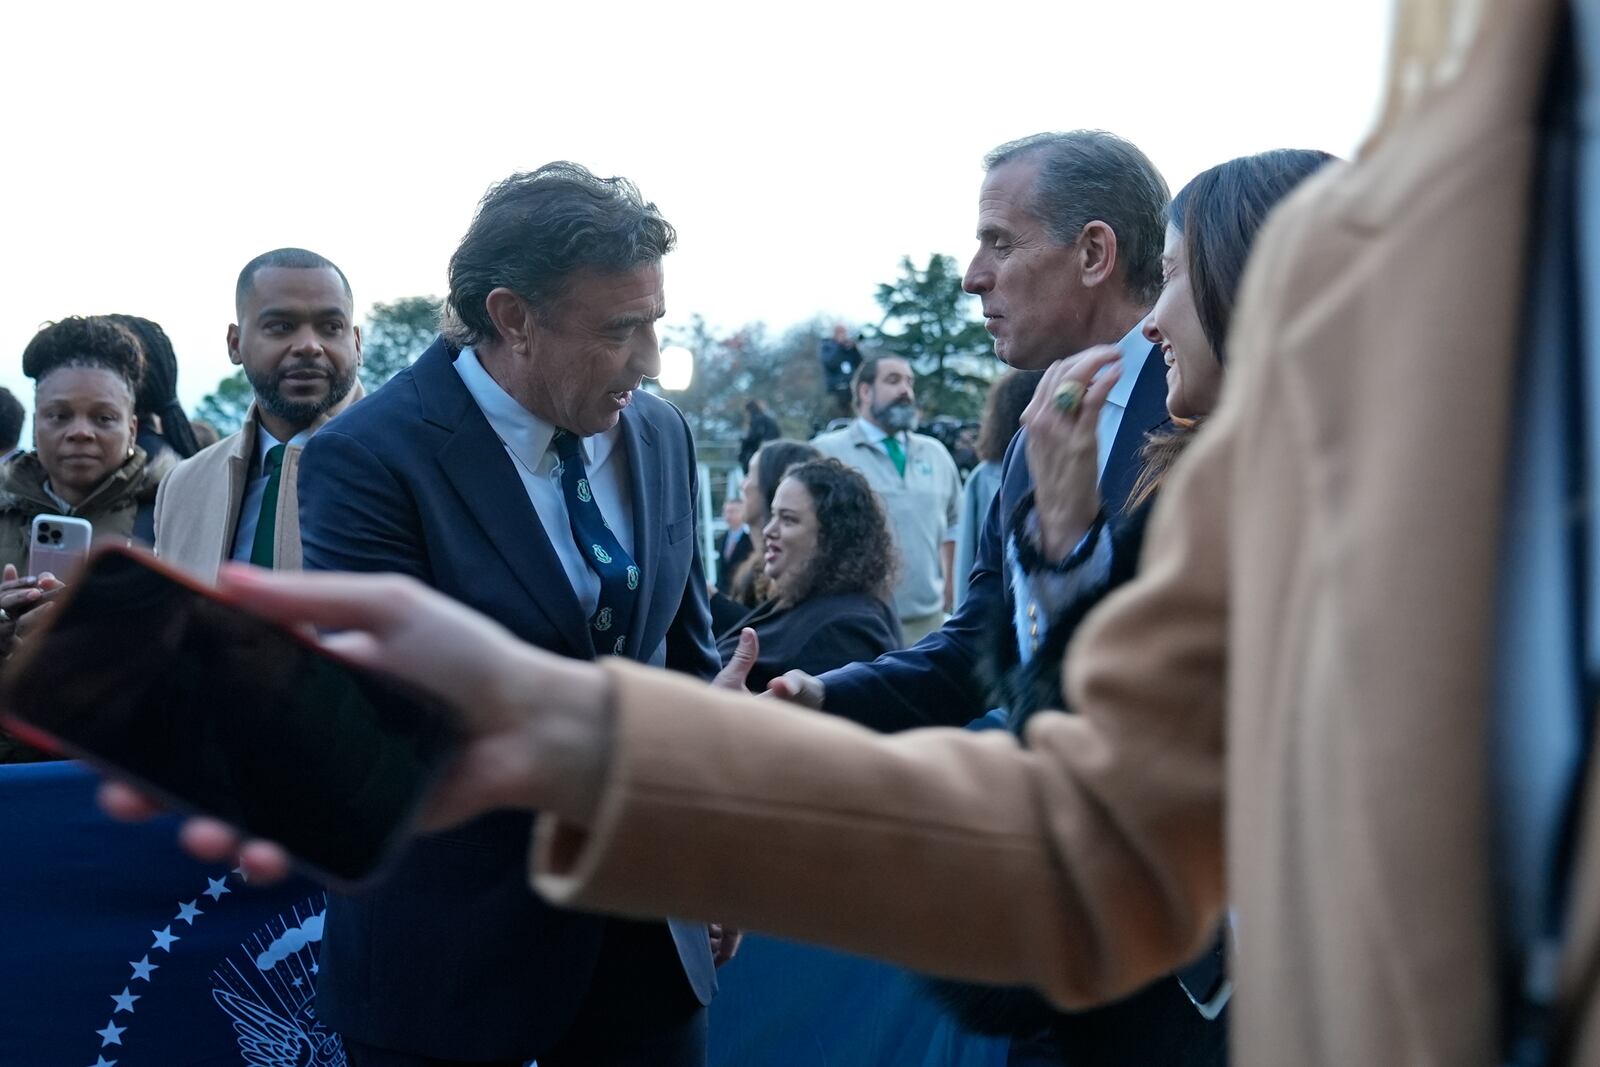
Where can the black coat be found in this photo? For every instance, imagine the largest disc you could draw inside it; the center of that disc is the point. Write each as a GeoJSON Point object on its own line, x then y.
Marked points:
{"type": "Point", "coordinates": [815, 635]}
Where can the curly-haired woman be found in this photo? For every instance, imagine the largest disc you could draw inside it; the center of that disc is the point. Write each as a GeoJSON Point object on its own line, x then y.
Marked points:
{"type": "Point", "coordinates": [829, 559]}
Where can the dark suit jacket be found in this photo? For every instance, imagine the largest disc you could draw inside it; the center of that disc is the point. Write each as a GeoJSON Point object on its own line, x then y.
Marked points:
{"type": "Point", "coordinates": [743, 546]}
{"type": "Point", "coordinates": [815, 635]}
{"type": "Point", "coordinates": [940, 680]}
{"type": "Point", "coordinates": [452, 955]}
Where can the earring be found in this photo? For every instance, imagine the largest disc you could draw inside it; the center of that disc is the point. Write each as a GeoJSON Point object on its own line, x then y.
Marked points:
{"type": "Point", "coordinates": [130, 451]}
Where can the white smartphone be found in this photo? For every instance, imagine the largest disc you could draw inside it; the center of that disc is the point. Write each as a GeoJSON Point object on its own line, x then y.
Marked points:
{"type": "Point", "coordinates": [58, 544]}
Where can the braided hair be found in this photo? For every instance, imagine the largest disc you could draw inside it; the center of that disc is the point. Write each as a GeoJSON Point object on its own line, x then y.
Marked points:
{"type": "Point", "coordinates": [158, 395]}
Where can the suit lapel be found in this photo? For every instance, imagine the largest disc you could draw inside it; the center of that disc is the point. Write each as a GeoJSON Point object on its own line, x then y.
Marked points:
{"type": "Point", "coordinates": [485, 477]}
{"type": "Point", "coordinates": [645, 487]}
{"type": "Point", "coordinates": [220, 539]}
{"type": "Point", "coordinates": [1147, 409]}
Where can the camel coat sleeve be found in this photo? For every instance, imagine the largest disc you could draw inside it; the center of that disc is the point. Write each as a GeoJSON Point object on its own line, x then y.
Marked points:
{"type": "Point", "coordinates": [1084, 864]}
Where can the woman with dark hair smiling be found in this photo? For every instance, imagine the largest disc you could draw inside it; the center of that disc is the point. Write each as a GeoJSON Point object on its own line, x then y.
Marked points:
{"type": "Point", "coordinates": [829, 564]}
{"type": "Point", "coordinates": [748, 587]}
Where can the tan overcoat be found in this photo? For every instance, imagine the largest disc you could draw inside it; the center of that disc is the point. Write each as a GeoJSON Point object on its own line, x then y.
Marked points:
{"type": "Point", "coordinates": [197, 507]}
{"type": "Point", "coordinates": [1310, 638]}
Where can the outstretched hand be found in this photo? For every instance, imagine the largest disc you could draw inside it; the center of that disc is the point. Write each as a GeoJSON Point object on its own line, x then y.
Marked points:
{"type": "Point", "coordinates": [797, 687]}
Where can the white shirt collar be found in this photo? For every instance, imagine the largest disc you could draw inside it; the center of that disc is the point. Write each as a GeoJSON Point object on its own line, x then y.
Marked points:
{"type": "Point", "coordinates": [265, 442]}
{"type": "Point", "coordinates": [1135, 350]}
{"type": "Point", "coordinates": [525, 434]}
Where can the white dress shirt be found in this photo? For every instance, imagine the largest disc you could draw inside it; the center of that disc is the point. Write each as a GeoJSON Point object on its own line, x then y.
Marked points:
{"type": "Point", "coordinates": [527, 441]}
{"type": "Point", "coordinates": [1135, 350]}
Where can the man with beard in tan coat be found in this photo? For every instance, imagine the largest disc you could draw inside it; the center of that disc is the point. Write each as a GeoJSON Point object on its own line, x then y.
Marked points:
{"type": "Point", "coordinates": [298, 344]}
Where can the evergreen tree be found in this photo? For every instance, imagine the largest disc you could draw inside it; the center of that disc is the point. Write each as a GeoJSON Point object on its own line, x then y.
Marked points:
{"type": "Point", "coordinates": [927, 320]}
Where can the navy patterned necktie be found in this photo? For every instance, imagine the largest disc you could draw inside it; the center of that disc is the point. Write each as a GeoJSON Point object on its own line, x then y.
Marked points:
{"type": "Point", "coordinates": [619, 576]}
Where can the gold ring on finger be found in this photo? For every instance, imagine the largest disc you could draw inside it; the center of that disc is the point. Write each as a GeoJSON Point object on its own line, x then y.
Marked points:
{"type": "Point", "coordinates": [1069, 394]}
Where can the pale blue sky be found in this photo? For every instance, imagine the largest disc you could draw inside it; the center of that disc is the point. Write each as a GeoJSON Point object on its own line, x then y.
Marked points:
{"type": "Point", "coordinates": [799, 149]}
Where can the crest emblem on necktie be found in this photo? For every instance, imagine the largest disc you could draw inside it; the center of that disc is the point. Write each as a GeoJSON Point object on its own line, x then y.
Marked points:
{"type": "Point", "coordinates": [600, 554]}
{"type": "Point", "coordinates": [584, 494]}
{"type": "Point", "coordinates": [617, 650]}
{"type": "Point", "coordinates": [633, 577]}
{"type": "Point", "coordinates": [602, 621]}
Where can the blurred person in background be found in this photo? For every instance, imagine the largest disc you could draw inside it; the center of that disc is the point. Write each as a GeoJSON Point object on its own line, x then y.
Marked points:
{"type": "Point", "coordinates": [737, 544]}
{"type": "Point", "coordinates": [747, 585]}
{"type": "Point", "coordinates": [12, 416]}
{"type": "Point", "coordinates": [760, 427]}
{"type": "Point", "coordinates": [205, 434]}
{"type": "Point", "coordinates": [916, 479]}
{"type": "Point", "coordinates": [1002, 414]}
{"type": "Point", "coordinates": [163, 425]}
{"type": "Point", "coordinates": [828, 560]}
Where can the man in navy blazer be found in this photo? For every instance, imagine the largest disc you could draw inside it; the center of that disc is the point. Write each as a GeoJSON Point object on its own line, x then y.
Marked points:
{"type": "Point", "coordinates": [1070, 232]}
{"type": "Point", "coordinates": [518, 467]}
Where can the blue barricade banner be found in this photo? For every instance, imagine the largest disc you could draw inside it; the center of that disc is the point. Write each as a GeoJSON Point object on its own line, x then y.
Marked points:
{"type": "Point", "coordinates": [782, 1004]}
{"type": "Point", "coordinates": [123, 951]}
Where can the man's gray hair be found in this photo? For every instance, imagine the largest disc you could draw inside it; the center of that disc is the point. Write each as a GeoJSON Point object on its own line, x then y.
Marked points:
{"type": "Point", "coordinates": [1088, 175]}
{"type": "Point", "coordinates": [535, 230]}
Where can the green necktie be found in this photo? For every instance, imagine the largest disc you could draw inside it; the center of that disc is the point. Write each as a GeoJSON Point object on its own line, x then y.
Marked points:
{"type": "Point", "coordinates": [267, 521]}
{"type": "Point", "coordinates": [897, 453]}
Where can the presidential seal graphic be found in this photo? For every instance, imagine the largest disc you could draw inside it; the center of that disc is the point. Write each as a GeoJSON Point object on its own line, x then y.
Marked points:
{"type": "Point", "coordinates": [267, 987]}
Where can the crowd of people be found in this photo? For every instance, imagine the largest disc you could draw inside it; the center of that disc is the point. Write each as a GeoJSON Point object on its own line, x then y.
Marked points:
{"type": "Point", "coordinates": [1268, 674]}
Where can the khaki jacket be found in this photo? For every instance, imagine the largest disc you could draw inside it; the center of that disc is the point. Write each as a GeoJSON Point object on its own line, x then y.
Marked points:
{"type": "Point", "coordinates": [112, 509]}
{"type": "Point", "coordinates": [197, 509]}
{"type": "Point", "coordinates": [1310, 638]}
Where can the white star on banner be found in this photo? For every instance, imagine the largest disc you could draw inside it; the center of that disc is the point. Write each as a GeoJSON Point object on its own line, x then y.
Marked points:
{"type": "Point", "coordinates": [219, 886]}
{"type": "Point", "coordinates": [111, 1035]}
{"type": "Point", "coordinates": [142, 969]}
{"type": "Point", "coordinates": [164, 939]}
{"type": "Point", "coordinates": [187, 912]}
{"type": "Point", "coordinates": [124, 1000]}
{"type": "Point", "coordinates": [101, 1061]}
{"type": "Point", "coordinates": [240, 872]}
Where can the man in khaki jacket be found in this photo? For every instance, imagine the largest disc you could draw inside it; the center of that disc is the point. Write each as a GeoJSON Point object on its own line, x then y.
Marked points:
{"type": "Point", "coordinates": [1306, 670]}
{"type": "Point", "coordinates": [299, 346]}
